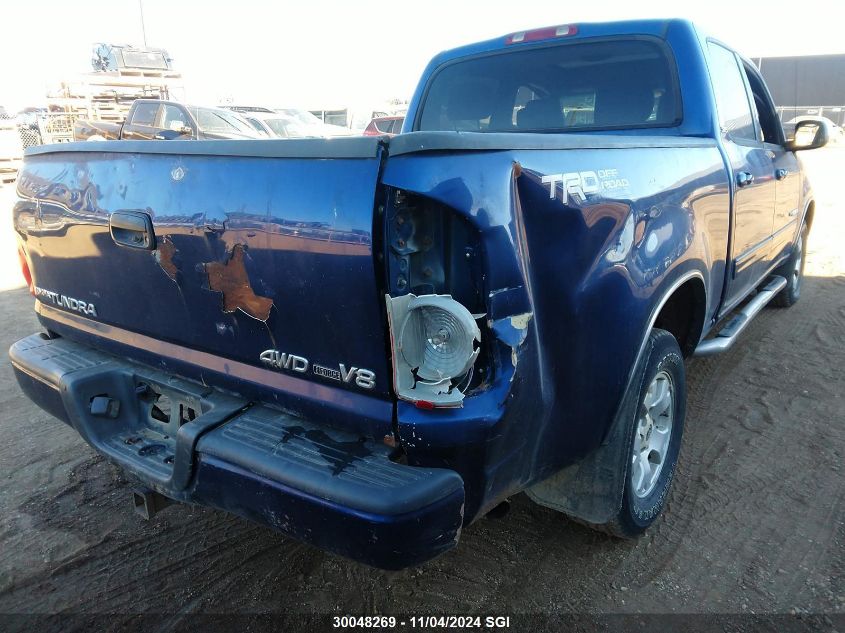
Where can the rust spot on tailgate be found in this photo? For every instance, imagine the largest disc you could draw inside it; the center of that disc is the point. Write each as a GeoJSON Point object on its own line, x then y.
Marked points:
{"type": "Point", "coordinates": [164, 255]}
{"type": "Point", "coordinates": [232, 280]}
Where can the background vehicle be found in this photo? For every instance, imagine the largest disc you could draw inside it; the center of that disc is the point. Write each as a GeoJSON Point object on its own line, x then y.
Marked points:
{"type": "Point", "coordinates": [354, 118]}
{"type": "Point", "coordinates": [288, 123]}
{"type": "Point", "coordinates": [152, 119]}
{"type": "Point", "coordinates": [368, 343]}
{"type": "Point", "coordinates": [389, 125]}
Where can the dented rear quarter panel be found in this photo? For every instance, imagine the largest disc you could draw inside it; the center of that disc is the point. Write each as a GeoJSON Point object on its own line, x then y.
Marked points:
{"type": "Point", "coordinates": [569, 284]}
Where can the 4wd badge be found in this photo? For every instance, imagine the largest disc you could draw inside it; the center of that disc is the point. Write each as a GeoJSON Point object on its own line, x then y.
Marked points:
{"type": "Point", "coordinates": [363, 378]}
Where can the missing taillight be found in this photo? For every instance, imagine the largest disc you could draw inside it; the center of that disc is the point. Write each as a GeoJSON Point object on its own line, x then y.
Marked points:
{"type": "Point", "coordinates": [431, 249]}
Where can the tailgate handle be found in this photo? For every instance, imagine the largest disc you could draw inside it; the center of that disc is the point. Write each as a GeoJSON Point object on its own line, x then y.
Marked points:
{"type": "Point", "coordinates": [133, 229]}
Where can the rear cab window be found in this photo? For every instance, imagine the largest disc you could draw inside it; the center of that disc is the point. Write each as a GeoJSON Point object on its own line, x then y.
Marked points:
{"type": "Point", "coordinates": [608, 84]}
{"type": "Point", "coordinates": [145, 114]}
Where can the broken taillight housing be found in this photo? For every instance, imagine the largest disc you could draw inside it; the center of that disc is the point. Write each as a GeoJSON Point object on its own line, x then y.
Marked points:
{"type": "Point", "coordinates": [436, 298]}
{"type": "Point", "coordinates": [435, 342]}
{"type": "Point", "coordinates": [27, 275]}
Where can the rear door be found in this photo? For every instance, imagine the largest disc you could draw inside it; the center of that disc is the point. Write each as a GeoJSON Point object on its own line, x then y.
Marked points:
{"type": "Point", "coordinates": [752, 172]}
{"type": "Point", "coordinates": [784, 163]}
{"type": "Point", "coordinates": [262, 254]}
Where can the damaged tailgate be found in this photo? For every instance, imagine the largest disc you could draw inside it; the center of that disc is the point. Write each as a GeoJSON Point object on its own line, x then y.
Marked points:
{"type": "Point", "coordinates": [259, 253]}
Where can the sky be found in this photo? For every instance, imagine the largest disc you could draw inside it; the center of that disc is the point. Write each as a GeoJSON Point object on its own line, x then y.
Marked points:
{"type": "Point", "coordinates": [327, 53]}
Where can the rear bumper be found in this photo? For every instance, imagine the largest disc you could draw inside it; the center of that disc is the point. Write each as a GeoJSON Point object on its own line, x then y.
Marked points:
{"type": "Point", "coordinates": [191, 443]}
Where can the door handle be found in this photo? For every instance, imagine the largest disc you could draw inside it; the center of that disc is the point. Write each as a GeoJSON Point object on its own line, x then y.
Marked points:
{"type": "Point", "coordinates": [744, 178]}
{"type": "Point", "coordinates": [780, 174]}
{"type": "Point", "coordinates": [132, 229]}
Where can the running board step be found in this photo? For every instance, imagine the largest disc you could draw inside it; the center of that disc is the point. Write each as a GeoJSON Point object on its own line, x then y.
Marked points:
{"type": "Point", "coordinates": [726, 337]}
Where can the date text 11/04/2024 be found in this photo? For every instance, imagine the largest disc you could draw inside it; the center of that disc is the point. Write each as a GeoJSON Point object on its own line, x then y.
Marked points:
{"type": "Point", "coordinates": [421, 622]}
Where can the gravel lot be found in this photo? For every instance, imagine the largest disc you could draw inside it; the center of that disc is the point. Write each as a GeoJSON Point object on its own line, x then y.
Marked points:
{"type": "Point", "coordinates": [754, 523]}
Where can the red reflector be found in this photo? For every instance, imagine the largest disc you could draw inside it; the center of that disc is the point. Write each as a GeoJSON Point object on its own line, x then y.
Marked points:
{"type": "Point", "coordinates": [27, 276]}
{"type": "Point", "coordinates": [424, 404]}
{"type": "Point", "coordinates": [545, 33]}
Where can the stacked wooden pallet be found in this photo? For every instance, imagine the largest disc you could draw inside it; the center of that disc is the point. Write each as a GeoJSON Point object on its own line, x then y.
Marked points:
{"type": "Point", "coordinates": [56, 127]}
{"type": "Point", "coordinates": [107, 96]}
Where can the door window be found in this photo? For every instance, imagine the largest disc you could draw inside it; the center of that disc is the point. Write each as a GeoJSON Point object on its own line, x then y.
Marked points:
{"type": "Point", "coordinates": [770, 126]}
{"type": "Point", "coordinates": [173, 118]}
{"type": "Point", "coordinates": [145, 114]}
{"type": "Point", "coordinates": [731, 96]}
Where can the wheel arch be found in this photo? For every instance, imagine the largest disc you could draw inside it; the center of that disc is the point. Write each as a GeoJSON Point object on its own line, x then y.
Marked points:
{"type": "Point", "coordinates": [693, 285]}
{"type": "Point", "coordinates": [809, 214]}
{"type": "Point", "coordinates": [682, 313]}
{"type": "Point", "coordinates": [591, 490]}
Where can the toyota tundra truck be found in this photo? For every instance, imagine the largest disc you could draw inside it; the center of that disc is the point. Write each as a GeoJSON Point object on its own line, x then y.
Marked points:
{"type": "Point", "coordinates": [369, 343]}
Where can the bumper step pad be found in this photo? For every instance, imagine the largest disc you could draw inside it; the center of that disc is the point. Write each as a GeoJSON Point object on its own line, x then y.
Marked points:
{"type": "Point", "coordinates": [195, 444]}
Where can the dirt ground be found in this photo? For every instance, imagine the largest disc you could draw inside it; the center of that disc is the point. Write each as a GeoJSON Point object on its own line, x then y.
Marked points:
{"type": "Point", "coordinates": [754, 523]}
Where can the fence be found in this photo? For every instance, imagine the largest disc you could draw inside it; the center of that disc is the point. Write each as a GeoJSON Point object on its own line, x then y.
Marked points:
{"type": "Point", "coordinates": [834, 113]}
{"type": "Point", "coordinates": [11, 149]}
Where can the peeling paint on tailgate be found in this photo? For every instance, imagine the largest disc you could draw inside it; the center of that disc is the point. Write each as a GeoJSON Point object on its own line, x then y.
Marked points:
{"type": "Point", "coordinates": [232, 280]}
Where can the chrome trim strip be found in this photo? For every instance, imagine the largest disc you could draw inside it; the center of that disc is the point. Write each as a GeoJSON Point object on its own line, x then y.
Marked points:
{"type": "Point", "coordinates": [748, 252]}
{"type": "Point", "coordinates": [785, 226]}
{"type": "Point", "coordinates": [310, 390]}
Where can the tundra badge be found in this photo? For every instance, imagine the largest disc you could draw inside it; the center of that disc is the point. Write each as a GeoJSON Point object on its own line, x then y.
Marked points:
{"type": "Point", "coordinates": [62, 301]}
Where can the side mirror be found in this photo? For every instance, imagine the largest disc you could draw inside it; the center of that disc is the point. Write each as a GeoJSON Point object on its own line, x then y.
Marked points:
{"type": "Point", "coordinates": [808, 134]}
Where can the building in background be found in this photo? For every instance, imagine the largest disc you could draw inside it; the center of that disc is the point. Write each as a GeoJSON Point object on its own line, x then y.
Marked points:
{"type": "Point", "coordinates": [807, 85]}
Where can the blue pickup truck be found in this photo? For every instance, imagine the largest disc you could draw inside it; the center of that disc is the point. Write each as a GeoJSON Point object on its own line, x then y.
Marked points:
{"type": "Point", "coordinates": [369, 343]}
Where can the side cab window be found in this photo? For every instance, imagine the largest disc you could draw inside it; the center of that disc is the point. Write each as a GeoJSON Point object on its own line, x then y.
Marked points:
{"type": "Point", "coordinates": [732, 102]}
{"type": "Point", "coordinates": [770, 128]}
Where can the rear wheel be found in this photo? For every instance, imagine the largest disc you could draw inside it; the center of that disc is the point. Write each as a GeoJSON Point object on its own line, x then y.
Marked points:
{"type": "Point", "coordinates": [656, 425]}
{"type": "Point", "coordinates": [793, 270]}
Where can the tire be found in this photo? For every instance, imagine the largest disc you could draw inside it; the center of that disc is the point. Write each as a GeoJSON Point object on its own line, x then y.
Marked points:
{"type": "Point", "coordinates": [650, 457]}
{"type": "Point", "coordinates": [793, 270]}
